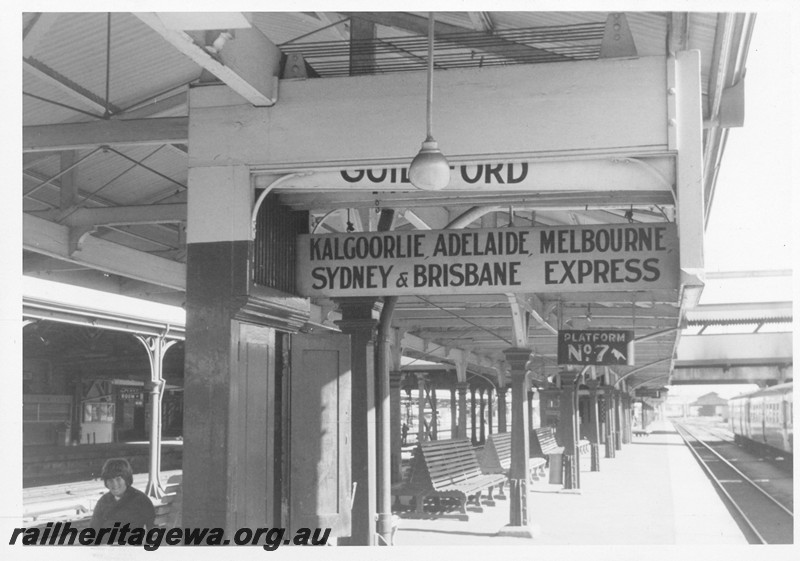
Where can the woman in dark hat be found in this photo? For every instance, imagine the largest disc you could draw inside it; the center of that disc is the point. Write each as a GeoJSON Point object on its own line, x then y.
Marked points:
{"type": "Point", "coordinates": [122, 503]}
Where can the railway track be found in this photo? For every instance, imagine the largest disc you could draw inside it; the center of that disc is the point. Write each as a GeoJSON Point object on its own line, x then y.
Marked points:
{"type": "Point", "coordinates": [764, 514]}
{"type": "Point", "coordinates": [725, 439]}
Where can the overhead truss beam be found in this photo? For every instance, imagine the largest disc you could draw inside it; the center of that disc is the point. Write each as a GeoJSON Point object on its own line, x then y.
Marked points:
{"type": "Point", "coordinates": [125, 215]}
{"type": "Point", "coordinates": [246, 60]}
{"type": "Point", "coordinates": [112, 132]}
{"type": "Point", "coordinates": [41, 236]}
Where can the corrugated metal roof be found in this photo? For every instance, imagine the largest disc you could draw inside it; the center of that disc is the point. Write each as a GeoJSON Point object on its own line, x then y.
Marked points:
{"type": "Point", "coordinates": [141, 62]}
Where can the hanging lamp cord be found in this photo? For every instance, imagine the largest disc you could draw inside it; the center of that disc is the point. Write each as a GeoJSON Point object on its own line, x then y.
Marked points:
{"type": "Point", "coordinates": [429, 115]}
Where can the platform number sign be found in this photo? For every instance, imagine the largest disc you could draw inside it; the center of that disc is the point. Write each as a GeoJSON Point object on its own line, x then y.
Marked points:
{"type": "Point", "coordinates": [607, 347]}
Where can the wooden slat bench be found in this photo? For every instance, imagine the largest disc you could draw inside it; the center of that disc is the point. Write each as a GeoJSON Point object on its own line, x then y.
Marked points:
{"type": "Point", "coordinates": [544, 445]}
{"type": "Point", "coordinates": [496, 458]}
{"type": "Point", "coordinates": [447, 469]}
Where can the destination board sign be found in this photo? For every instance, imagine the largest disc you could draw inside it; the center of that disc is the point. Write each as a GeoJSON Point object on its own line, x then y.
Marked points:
{"type": "Point", "coordinates": [489, 261]}
{"type": "Point", "coordinates": [596, 347]}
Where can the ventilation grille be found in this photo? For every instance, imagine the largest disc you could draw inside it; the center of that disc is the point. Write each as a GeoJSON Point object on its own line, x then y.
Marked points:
{"type": "Point", "coordinates": [274, 249]}
{"type": "Point", "coordinates": [470, 49]}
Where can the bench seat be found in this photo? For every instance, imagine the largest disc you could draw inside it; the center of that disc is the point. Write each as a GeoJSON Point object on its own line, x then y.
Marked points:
{"type": "Point", "coordinates": [496, 458]}
{"type": "Point", "coordinates": [544, 445]}
{"type": "Point", "coordinates": [444, 469]}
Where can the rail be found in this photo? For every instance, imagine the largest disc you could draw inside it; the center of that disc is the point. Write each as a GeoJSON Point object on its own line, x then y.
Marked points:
{"type": "Point", "coordinates": [687, 434]}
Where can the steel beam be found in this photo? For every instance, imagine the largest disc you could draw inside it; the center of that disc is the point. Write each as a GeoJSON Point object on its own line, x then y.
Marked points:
{"type": "Point", "coordinates": [41, 236]}
{"type": "Point", "coordinates": [113, 132]}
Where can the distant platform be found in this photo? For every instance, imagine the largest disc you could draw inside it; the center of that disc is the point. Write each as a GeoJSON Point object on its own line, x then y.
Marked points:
{"type": "Point", "coordinates": [46, 465]}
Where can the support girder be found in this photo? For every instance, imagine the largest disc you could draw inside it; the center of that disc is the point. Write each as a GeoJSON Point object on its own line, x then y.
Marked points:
{"type": "Point", "coordinates": [522, 117]}
{"type": "Point", "coordinates": [124, 215]}
{"type": "Point", "coordinates": [731, 375]}
{"type": "Point", "coordinates": [41, 236]}
{"type": "Point", "coordinates": [734, 349]}
{"type": "Point", "coordinates": [111, 132]}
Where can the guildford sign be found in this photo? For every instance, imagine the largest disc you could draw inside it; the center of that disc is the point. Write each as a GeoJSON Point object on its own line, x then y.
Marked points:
{"type": "Point", "coordinates": [462, 177]}
{"type": "Point", "coordinates": [503, 260]}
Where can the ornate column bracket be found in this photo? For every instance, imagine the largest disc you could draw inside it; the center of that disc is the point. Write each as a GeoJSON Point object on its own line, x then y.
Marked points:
{"type": "Point", "coordinates": [156, 348]}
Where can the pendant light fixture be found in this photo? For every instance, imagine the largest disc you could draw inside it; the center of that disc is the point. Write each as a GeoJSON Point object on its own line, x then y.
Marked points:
{"type": "Point", "coordinates": [429, 169]}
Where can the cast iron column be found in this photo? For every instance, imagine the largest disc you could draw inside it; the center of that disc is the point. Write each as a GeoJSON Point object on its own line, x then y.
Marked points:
{"type": "Point", "coordinates": [608, 406]}
{"type": "Point", "coordinates": [626, 401]}
{"type": "Point", "coordinates": [156, 348]}
{"type": "Point", "coordinates": [481, 393]}
{"type": "Point", "coordinates": [359, 320]}
{"type": "Point", "coordinates": [421, 408]}
{"type": "Point", "coordinates": [518, 359]}
{"type": "Point", "coordinates": [529, 406]}
{"type": "Point", "coordinates": [617, 420]}
{"type": "Point", "coordinates": [453, 413]}
{"type": "Point", "coordinates": [594, 424]}
{"type": "Point", "coordinates": [569, 439]}
{"type": "Point", "coordinates": [501, 409]}
{"type": "Point", "coordinates": [462, 388]}
{"type": "Point", "coordinates": [395, 382]}
{"type": "Point", "coordinates": [434, 414]}
{"type": "Point", "coordinates": [473, 428]}
{"type": "Point", "coordinates": [491, 409]}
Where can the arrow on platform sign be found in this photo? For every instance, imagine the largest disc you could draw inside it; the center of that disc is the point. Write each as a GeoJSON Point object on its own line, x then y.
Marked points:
{"type": "Point", "coordinates": [618, 355]}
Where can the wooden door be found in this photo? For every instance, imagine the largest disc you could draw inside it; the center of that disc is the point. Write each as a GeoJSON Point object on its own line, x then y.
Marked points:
{"type": "Point", "coordinates": [320, 432]}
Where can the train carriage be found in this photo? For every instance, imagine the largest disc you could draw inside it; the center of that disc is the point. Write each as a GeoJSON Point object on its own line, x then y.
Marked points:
{"type": "Point", "coordinates": [764, 418]}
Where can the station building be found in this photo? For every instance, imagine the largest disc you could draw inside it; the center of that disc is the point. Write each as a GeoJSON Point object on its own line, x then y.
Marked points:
{"type": "Point", "coordinates": [253, 170]}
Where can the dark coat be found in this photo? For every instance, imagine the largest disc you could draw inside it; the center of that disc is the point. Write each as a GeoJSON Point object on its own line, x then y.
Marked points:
{"type": "Point", "coordinates": [133, 508]}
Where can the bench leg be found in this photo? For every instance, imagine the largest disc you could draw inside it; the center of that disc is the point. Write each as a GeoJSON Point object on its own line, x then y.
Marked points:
{"type": "Point", "coordinates": [490, 496]}
{"type": "Point", "coordinates": [462, 508]}
{"type": "Point", "coordinates": [501, 495]}
{"type": "Point", "coordinates": [537, 472]}
{"type": "Point", "coordinates": [420, 499]}
{"type": "Point", "coordinates": [478, 504]}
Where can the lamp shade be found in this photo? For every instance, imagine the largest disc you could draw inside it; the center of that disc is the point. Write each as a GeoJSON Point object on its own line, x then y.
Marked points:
{"type": "Point", "coordinates": [429, 169]}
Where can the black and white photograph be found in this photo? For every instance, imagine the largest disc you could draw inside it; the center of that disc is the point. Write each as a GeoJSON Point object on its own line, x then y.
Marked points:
{"type": "Point", "coordinates": [479, 279]}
